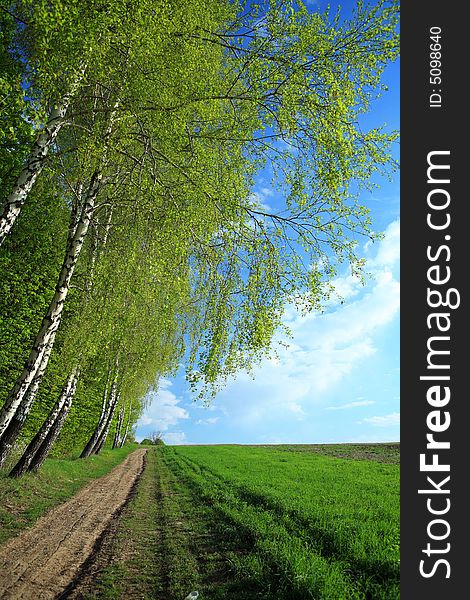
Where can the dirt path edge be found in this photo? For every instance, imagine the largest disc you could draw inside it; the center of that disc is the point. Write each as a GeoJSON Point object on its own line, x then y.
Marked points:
{"type": "Point", "coordinates": [86, 570]}
{"type": "Point", "coordinates": [44, 560]}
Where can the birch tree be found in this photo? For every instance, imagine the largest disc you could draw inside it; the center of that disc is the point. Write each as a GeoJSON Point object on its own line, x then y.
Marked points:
{"type": "Point", "coordinates": [45, 447]}
{"type": "Point", "coordinates": [117, 433]}
{"type": "Point", "coordinates": [125, 433]}
{"type": "Point", "coordinates": [158, 162]}
{"type": "Point", "coordinates": [60, 42]}
{"type": "Point", "coordinates": [56, 413]}
{"type": "Point", "coordinates": [23, 392]}
{"type": "Point", "coordinates": [107, 410]}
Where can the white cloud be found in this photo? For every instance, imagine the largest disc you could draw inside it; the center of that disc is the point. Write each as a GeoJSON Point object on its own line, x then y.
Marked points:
{"type": "Point", "coordinates": [346, 287]}
{"type": "Point", "coordinates": [163, 408]}
{"type": "Point", "coordinates": [327, 348]}
{"type": "Point", "coordinates": [195, 406]}
{"type": "Point", "coordinates": [384, 421]}
{"type": "Point", "coordinates": [209, 421]}
{"type": "Point", "coordinates": [259, 199]}
{"type": "Point", "coordinates": [295, 408]}
{"type": "Point", "coordinates": [355, 404]}
{"type": "Point", "coordinates": [175, 437]}
{"type": "Point", "coordinates": [266, 192]}
{"type": "Point", "coordinates": [388, 252]}
{"type": "Point", "coordinates": [324, 349]}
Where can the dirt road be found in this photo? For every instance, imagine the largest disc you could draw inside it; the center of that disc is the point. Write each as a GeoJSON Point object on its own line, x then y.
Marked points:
{"type": "Point", "coordinates": [42, 561]}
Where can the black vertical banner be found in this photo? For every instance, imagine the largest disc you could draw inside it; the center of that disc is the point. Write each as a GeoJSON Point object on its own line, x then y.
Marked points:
{"type": "Point", "coordinates": [435, 428]}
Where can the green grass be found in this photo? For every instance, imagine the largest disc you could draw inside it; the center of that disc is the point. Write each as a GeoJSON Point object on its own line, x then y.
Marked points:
{"type": "Point", "coordinates": [271, 523]}
{"type": "Point", "coordinates": [168, 544]}
{"type": "Point", "coordinates": [258, 523]}
{"type": "Point", "coordinates": [322, 527]}
{"type": "Point", "coordinates": [25, 499]}
{"type": "Point", "coordinates": [386, 452]}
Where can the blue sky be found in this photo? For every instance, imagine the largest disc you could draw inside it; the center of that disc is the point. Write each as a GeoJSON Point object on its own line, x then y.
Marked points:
{"type": "Point", "coordinates": [339, 379]}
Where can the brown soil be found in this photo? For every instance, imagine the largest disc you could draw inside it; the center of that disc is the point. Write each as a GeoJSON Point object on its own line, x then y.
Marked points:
{"type": "Point", "coordinates": [41, 562]}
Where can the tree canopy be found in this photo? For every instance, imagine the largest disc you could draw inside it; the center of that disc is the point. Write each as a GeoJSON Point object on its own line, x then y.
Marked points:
{"type": "Point", "coordinates": [133, 241]}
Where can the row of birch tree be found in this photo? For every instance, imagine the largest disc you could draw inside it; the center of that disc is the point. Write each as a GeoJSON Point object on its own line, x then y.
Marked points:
{"type": "Point", "coordinates": [131, 137]}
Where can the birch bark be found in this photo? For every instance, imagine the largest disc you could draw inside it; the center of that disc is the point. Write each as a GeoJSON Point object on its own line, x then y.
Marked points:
{"type": "Point", "coordinates": [99, 427]}
{"type": "Point", "coordinates": [11, 433]}
{"type": "Point", "coordinates": [36, 160]}
{"type": "Point", "coordinates": [68, 391]}
{"type": "Point", "coordinates": [44, 449]}
{"type": "Point", "coordinates": [117, 434]}
{"type": "Point", "coordinates": [108, 401]}
{"type": "Point", "coordinates": [42, 347]}
{"type": "Point", "coordinates": [126, 432]}
{"type": "Point", "coordinates": [104, 434]}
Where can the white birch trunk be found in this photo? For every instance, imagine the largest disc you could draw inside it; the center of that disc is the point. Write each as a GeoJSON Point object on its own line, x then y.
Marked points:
{"type": "Point", "coordinates": [44, 449]}
{"type": "Point", "coordinates": [11, 433]}
{"type": "Point", "coordinates": [99, 427]}
{"type": "Point", "coordinates": [36, 160]}
{"type": "Point", "coordinates": [106, 407]}
{"type": "Point", "coordinates": [117, 434]}
{"type": "Point", "coordinates": [126, 431]}
{"type": "Point", "coordinates": [104, 404]}
{"type": "Point", "coordinates": [40, 353]}
{"type": "Point", "coordinates": [68, 391]}
{"type": "Point", "coordinates": [23, 410]}
{"type": "Point", "coordinates": [104, 434]}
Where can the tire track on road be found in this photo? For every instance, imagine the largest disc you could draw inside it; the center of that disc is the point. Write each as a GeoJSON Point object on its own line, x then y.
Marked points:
{"type": "Point", "coordinates": [42, 561]}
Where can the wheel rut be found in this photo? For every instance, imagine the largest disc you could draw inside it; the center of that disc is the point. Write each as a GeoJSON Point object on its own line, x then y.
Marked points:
{"type": "Point", "coordinates": [43, 561]}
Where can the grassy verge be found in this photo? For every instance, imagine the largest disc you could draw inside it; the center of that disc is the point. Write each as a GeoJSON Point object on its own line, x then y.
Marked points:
{"type": "Point", "coordinates": [169, 542]}
{"type": "Point", "coordinates": [25, 499]}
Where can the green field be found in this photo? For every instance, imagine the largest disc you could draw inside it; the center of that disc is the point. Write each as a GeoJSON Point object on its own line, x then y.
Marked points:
{"type": "Point", "coordinates": [313, 526]}
{"type": "Point", "coordinates": [273, 523]}
{"type": "Point", "coordinates": [288, 522]}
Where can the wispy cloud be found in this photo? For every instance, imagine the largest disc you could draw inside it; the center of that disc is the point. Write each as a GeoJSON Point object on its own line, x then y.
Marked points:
{"type": "Point", "coordinates": [175, 437]}
{"type": "Point", "coordinates": [389, 248]}
{"type": "Point", "coordinates": [356, 404]}
{"type": "Point", "coordinates": [163, 409]}
{"type": "Point", "coordinates": [209, 421]}
{"type": "Point", "coordinates": [383, 421]}
{"type": "Point", "coordinates": [259, 197]}
{"type": "Point", "coordinates": [266, 192]}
